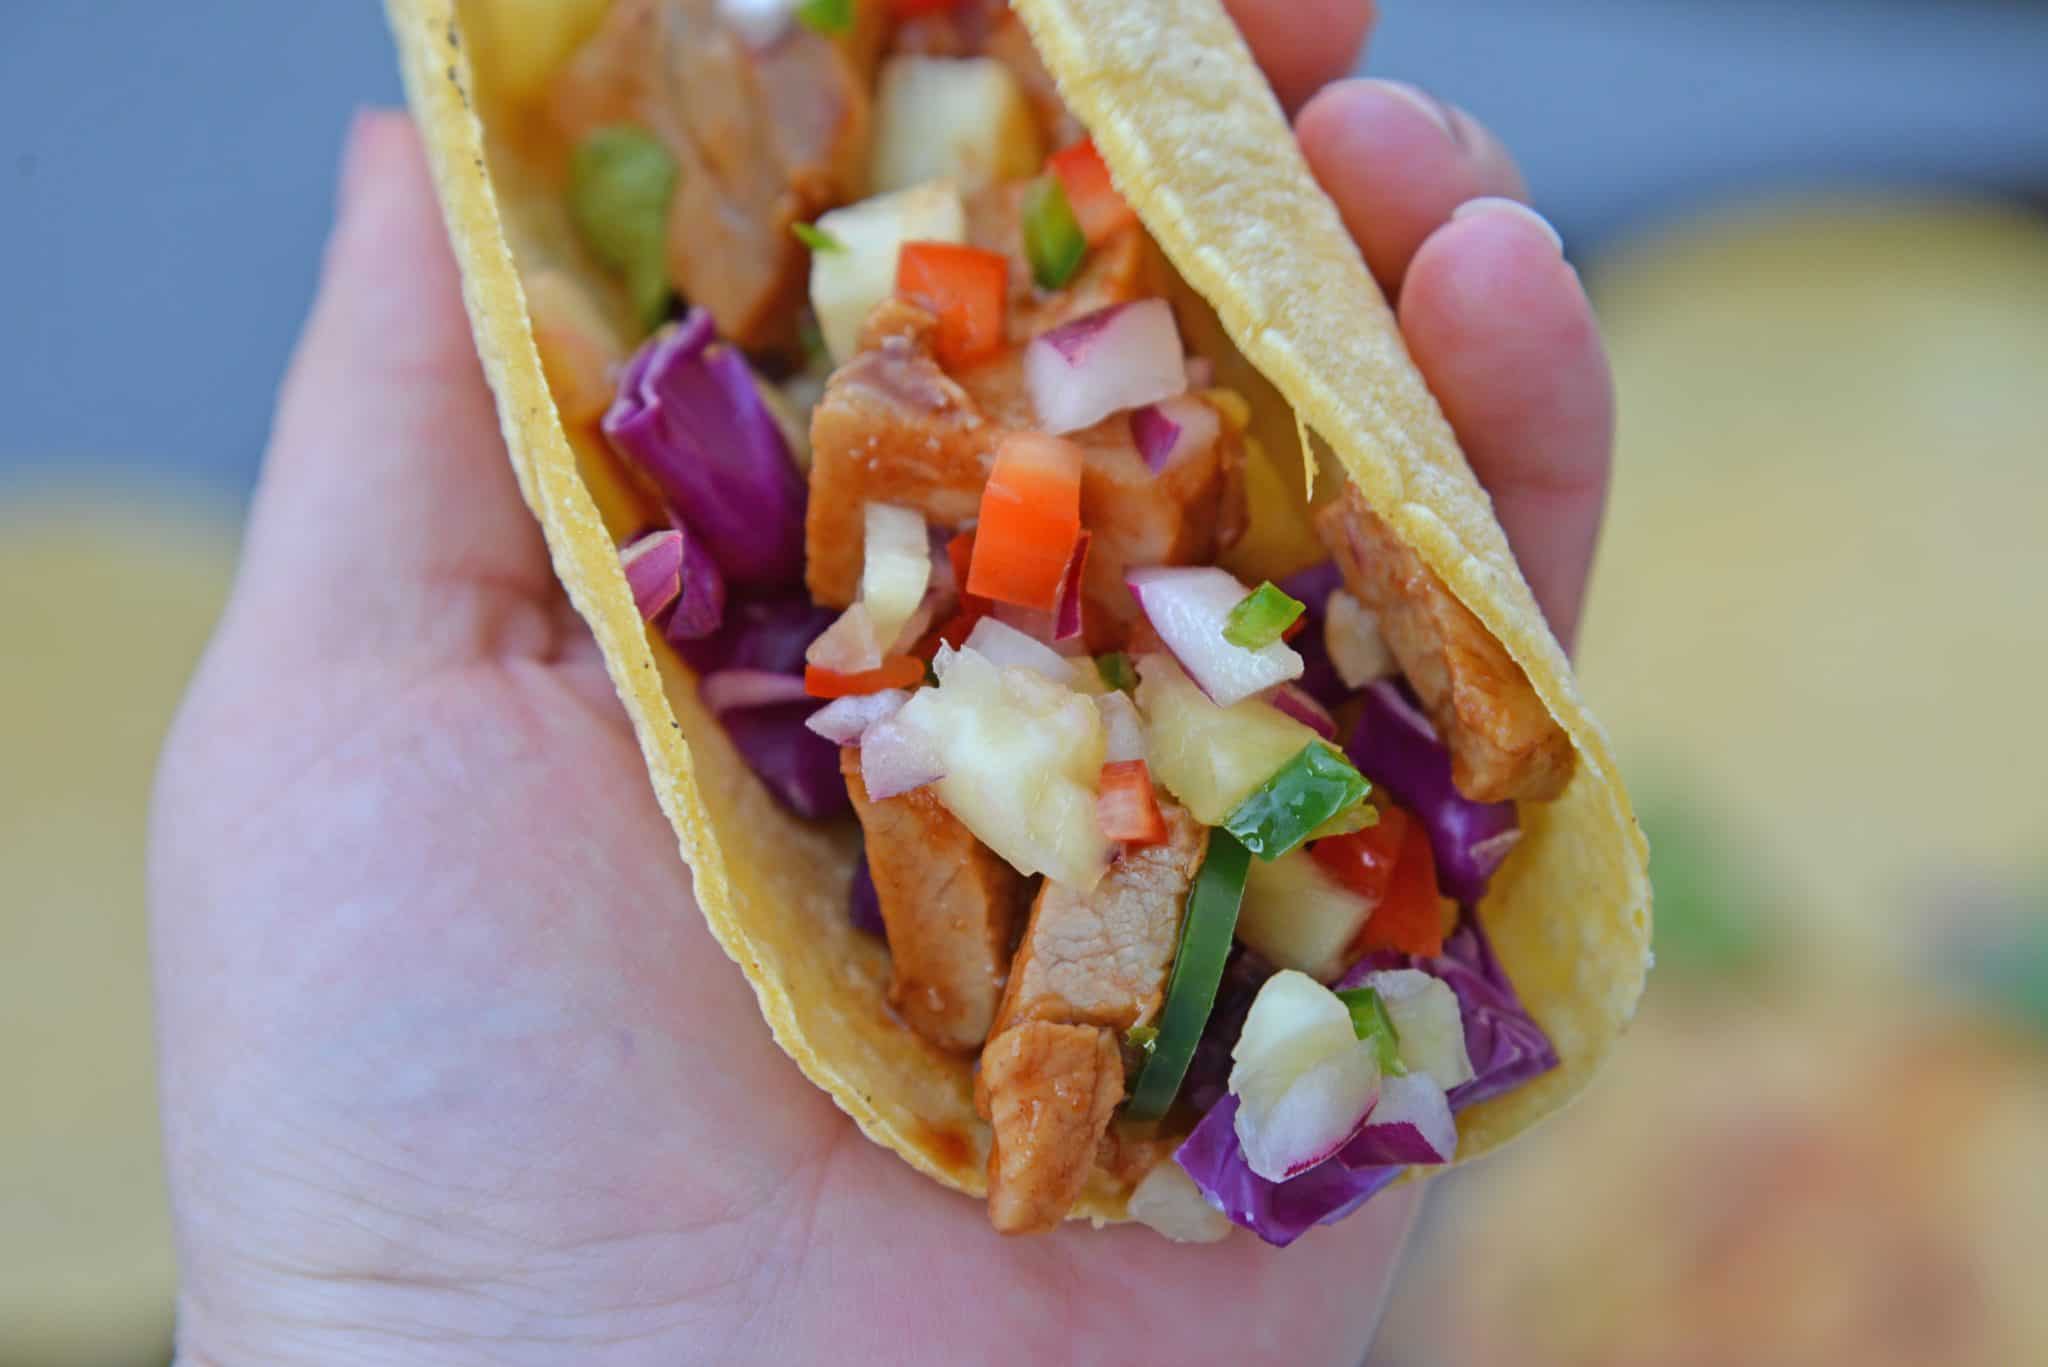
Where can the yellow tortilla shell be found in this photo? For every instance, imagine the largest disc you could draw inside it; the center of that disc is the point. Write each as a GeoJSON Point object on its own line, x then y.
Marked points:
{"type": "Point", "coordinates": [1195, 141]}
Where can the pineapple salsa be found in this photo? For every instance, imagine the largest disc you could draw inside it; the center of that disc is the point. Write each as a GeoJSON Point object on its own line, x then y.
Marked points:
{"type": "Point", "coordinates": [1187, 864]}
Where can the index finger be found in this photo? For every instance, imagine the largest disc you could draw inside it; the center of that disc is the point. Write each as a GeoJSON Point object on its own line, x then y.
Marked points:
{"type": "Point", "coordinates": [1303, 45]}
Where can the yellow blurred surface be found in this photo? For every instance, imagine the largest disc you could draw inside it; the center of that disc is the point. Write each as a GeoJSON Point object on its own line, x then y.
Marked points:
{"type": "Point", "coordinates": [1824, 586]}
{"type": "Point", "coordinates": [1820, 637]}
{"type": "Point", "coordinates": [1756, 1183]}
{"type": "Point", "coordinates": [103, 615]}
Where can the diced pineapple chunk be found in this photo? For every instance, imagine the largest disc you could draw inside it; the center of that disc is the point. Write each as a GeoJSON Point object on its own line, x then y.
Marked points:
{"type": "Point", "coordinates": [896, 565]}
{"type": "Point", "coordinates": [1169, 1201]}
{"type": "Point", "coordinates": [1022, 755]}
{"type": "Point", "coordinates": [962, 119]}
{"type": "Point", "coordinates": [848, 280]}
{"type": "Point", "coordinates": [1210, 757]}
{"type": "Point", "coordinates": [1293, 1025]}
{"type": "Point", "coordinates": [1303, 1081]}
{"type": "Point", "coordinates": [1427, 1017]}
{"type": "Point", "coordinates": [1299, 917]}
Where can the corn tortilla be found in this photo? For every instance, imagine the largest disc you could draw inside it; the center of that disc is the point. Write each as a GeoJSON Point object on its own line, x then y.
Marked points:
{"type": "Point", "coordinates": [1196, 142]}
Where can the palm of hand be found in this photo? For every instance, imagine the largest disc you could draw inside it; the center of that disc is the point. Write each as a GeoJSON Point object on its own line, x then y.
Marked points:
{"type": "Point", "coordinates": [536, 1103]}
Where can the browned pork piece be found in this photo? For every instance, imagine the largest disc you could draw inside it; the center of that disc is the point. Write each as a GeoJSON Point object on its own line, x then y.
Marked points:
{"type": "Point", "coordinates": [892, 428]}
{"type": "Point", "coordinates": [1048, 1091]}
{"type": "Point", "coordinates": [762, 139]}
{"type": "Point", "coordinates": [1091, 965]}
{"type": "Point", "coordinates": [895, 428]}
{"type": "Point", "coordinates": [1504, 743]}
{"type": "Point", "coordinates": [1186, 514]}
{"type": "Point", "coordinates": [950, 905]}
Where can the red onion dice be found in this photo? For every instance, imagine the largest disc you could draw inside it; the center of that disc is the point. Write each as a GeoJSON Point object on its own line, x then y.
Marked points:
{"type": "Point", "coordinates": [1104, 362]}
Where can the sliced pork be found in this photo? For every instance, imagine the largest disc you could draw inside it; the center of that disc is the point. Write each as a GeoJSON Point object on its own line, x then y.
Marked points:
{"type": "Point", "coordinates": [1091, 965]}
{"type": "Point", "coordinates": [1048, 1091]}
{"type": "Point", "coordinates": [762, 139]}
{"type": "Point", "coordinates": [1503, 741]}
{"type": "Point", "coordinates": [950, 905]}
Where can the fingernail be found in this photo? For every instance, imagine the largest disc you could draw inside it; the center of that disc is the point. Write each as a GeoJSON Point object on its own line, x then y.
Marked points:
{"type": "Point", "coordinates": [1496, 204]}
{"type": "Point", "coordinates": [1432, 108]}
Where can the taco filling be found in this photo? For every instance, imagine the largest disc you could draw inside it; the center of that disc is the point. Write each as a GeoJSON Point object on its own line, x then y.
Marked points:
{"type": "Point", "coordinates": [1186, 857]}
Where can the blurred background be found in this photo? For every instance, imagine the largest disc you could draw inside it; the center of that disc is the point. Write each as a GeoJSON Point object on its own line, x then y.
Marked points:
{"type": "Point", "coordinates": [1818, 234]}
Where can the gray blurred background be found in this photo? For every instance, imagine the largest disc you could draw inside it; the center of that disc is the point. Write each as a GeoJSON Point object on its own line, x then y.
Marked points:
{"type": "Point", "coordinates": [168, 168]}
{"type": "Point", "coordinates": [1814, 230]}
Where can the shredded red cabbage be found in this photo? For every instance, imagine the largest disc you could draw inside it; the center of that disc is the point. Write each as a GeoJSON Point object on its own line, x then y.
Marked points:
{"type": "Point", "coordinates": [1278, 1212]}
{"type": "Point", "coordinates": [800, 768]}
{"type": "Point", "coordinates": [675, 582]}
{"type": "Point", "coordinates": [1395, 746]}
{"type": "Point", "coordinates": [688, 415]}
{"type": "Point", "coordinates": [653, 565]}
{"type": "Point", "coordinates": [1208, 1073]}
{"type": "Point", "coordinates": [1507, 1047]}
{"type": "Point", "coordinates": [1312, 587]}
{"type": "Point", "coordinates": [863, 903]}
{"type": "Point", "coordinates": [700, 610]}
{"type": "Point", "coordinates": [770, 633]}
{"type": "Point", "coordinates": [763, 636]}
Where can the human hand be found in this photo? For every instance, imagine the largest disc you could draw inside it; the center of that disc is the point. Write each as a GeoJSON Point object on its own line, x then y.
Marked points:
{"type": "Point", "coordinates": [453, 1072]}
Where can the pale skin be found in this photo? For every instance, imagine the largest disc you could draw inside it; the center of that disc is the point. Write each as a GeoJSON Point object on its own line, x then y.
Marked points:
{"type": "Point", "coordinates": [453, 1072]}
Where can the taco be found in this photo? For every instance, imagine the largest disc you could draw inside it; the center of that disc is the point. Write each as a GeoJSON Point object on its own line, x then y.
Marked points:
{"type": "Point", "coordinates": [911, 395]}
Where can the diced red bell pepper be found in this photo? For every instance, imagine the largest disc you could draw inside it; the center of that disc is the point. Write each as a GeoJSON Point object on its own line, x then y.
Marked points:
{"type": "Point", "coordinates": [1125, 806]}
{"type": "Point", "coordinates": [1097, 206]}
{"type": "Point", "coordinates": [897, 671]}
{"type": "Point", "coordinates": [1030, 520]}
{"type": "Point", "coordinates": [907, 9]}
{"type": "Point", "coordinates": [964, 287]}
{"type": "Point", "coordinates": [1363, 861]}
{"type": "Point", "coordinates": [1410, 916]}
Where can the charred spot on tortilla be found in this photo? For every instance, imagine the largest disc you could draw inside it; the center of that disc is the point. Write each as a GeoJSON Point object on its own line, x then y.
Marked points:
{"type": "Point", "coordinates": [995, 414]}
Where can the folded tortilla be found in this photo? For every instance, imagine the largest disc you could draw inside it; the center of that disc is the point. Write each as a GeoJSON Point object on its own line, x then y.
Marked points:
{"type": "Point", "coordinates": [1197, 144]}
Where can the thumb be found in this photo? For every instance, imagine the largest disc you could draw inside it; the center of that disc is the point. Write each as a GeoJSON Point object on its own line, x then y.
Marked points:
{"type": "Point", "coordinates": [387, 515]}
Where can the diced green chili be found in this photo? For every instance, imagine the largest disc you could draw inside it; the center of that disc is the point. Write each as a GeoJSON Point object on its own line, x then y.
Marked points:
{"type": "Point", "coordinates": [1286, 809]}
{"type": "Point", "coordinates": [1115, 669]}
{"type": "Point", "coordinates": [1053, 240]}
{"type": "Point", "coordinates": [1262, 617]}
{"type": "Point", "coordinates": [621, 180]}
{"type": "Point", "coordinates": [829, 17]}
{"type": "Point", "coordinates": [816, 238]}
{"type": "Point", "coordinates": [1371, 1023]}
{"type": "Point", "coordinates": [1206, 929]}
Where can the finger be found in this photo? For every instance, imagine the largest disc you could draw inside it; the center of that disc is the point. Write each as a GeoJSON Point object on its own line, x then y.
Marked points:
{"type": "Point", "coordinates": [386, 503]}
{"type": "Point", "coordinates": [1502, 330]}
{"type": "Point", "coordinates": [1397, 161]}
{"type": "Point", "coordinates": [1303, 45]}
